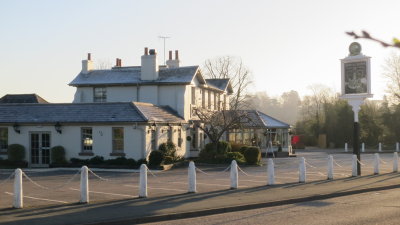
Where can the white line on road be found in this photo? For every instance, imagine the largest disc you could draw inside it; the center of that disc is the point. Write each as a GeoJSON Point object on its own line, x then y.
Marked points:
{"type": "Point", "coordinates": [42, 199]}
{"type": "Point", "coordinates": [105, 193]}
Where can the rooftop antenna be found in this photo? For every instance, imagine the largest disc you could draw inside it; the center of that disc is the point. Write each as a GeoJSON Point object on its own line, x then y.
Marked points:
{"type": "Point", "coordinates": [164, 37]}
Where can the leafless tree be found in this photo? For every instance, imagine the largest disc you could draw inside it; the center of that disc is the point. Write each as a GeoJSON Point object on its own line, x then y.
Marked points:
{"type": "Point", "coordinates": [219, 122]}
{"type": "Point", "coordinates": [233, 68]}
{"type": "Point", "coordinates": [392, 74]}
{"type": "Point", "coordinates": [365, 35]}
{"type": "Point", "coordinates": [103, 64]}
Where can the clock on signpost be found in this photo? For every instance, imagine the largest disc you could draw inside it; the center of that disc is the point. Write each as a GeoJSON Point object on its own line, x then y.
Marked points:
{"type": "Point", "coordinates": [356, 87]}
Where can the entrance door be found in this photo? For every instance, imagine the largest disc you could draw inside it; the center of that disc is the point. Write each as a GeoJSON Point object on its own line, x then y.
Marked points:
{"type": "Point", "coordinates": [40, 149]}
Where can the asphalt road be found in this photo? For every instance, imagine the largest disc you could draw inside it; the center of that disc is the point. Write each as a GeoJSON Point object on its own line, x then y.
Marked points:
{"type": "Point", "coordinates": [361, 209]}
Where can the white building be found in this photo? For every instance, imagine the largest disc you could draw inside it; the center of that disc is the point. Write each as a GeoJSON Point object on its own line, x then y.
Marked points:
{"type": "Point", "coordinates": [122, 111]}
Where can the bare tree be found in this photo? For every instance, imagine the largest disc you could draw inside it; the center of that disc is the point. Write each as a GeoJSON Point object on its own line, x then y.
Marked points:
{"type": "Point", "coordinates": [219, 122]}
{"type": "Point", "coordinates": [365, 35]}
{"type": "Point", "coordinates": [392, 74]}
{"type": "Point", "coordinates": [103, 64]}
{"type": "Point", "coordinates": [236, 71]}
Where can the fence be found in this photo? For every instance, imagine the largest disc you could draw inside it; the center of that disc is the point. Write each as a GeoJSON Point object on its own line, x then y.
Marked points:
{"type": "Point", "coordinates": [333, 168]}
{"type": "Point", "coordinates": [379, 147]}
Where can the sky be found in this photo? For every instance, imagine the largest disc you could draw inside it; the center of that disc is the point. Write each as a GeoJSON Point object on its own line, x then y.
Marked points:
{"type": "Point", "coordinates": [286, 44]}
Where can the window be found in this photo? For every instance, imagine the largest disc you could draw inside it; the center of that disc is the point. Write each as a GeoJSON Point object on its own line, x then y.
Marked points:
{"type": "Point", "coordinates": [209, 99]}
{"type": "Point", "coordinates": [153, 140]}
{"type": "Point", "coordinates": [193, 95]}
{"type": "Point", "coordinates": [87, 139]}
{"type": "Point", "coordinates": [180, 137]}
{"type": "Point", "coordinates": [215, 101]}
{"type": "Point", "coordinates": [170, 132]}
{"type": "Point", "coordinates": [3, 138]}
{"type": "Point", "coordinates": [99, 94]}
{"type": "Point", "coordinates": [118, 139]}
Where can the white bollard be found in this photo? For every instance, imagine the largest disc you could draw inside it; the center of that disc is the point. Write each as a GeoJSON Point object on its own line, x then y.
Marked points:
{"type": "Point", "coordinates": [363, 147]}
{"type": "Point", "coordinates": [376, 163]}
{"type": "Point", "coordinates": [18, 191]}
{"type": "Point", "coordinates": [271, 172]}
{"type": "Point", "coordinates": [380, 147]}
{"type": "Point", "coordinates": [346, 147]}
{"type": "Point", "coordinates": [330, 167]}
{"type": "Point", "coordinates": [84, 185]}
{"type": "Point", "coordinates": [143, 181]}
{"type": "Point", "coordinates": [192, 177]}
{"type": "Point", "coordinates": [397, 146]}
{"type": "Point", "coordinates": [302, 170]}
{"type": "Point", "coordinates": [395, 162]}
{"type": "Point", "coordinates": [354, 166]}
{"type": "Point", "coordinates": [234, 175]}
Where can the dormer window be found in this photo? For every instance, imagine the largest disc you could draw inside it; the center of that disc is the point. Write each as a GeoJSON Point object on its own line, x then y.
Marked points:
{"type": "Point", "coordinates": [99, 94]}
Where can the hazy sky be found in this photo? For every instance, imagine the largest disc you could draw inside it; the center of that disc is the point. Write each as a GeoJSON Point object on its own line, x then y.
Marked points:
{"type": "Point", "coordinates": [288, 45]}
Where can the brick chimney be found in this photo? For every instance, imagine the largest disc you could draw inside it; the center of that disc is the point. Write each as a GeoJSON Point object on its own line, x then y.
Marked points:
{"type": "Point", "coordinates": [173, 63]}
{"type": "Point", "coordinates": [87, 65]}
{"type": "Point", "coordinates": [149, 69]}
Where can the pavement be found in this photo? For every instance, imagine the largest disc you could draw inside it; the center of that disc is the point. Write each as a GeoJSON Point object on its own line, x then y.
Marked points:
{"type": "Point", "coordinates": [153, 209]}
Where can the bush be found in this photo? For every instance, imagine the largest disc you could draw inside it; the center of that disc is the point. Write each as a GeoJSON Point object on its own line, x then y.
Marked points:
{"type": "Point", "coordinates": [243, 149]}
{"type": "Point", "coordinates": [223, 147]}
{"type": "Point", "coordinates": [169, 160]}
{"type": "Point", "coordinates": [252, 155]}
{"type": "Point", "coordinates": [97, 160]}
{"type": "Point", "coordinates": [168, 148]}
{"type": "Point", "coordinates": [235, 156]}
{"type": "Point", "coordinates": [121, 161]}
{"type": "Point", "coordinates": [16, 153]}
{"type": "Point", "coordinates": [58, 155]}
{"type": "Point", "coordinates": [142, 161]}
{"type": "Point", "coordinates": [236, 147]}
{"type": "Point", "coordinates": [156, 158]}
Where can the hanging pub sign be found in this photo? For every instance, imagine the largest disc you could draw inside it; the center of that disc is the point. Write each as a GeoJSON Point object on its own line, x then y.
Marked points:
{"type": "Point", "coordinates": [356, 73]}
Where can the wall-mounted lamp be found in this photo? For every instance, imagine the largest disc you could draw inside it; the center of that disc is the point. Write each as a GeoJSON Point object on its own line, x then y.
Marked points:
{"type": "Point", "coordinates": [57, 126]}
{"type": "Point", "coordinates": [16, 128]}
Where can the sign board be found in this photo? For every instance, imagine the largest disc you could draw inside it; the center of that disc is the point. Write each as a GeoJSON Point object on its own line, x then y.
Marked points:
{"type": "Point", "coordinates": [356, 74]}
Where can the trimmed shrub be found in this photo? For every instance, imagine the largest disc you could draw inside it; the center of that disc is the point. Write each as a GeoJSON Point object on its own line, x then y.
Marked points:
{"type": "Point", "coordinates": [224, 147]}
{"type": "Point", "coordinates": [16, 153]}
{"type": "Point", "coordinates": [243, 149]}
{"type": "Point", "coordinates": [168, 148]}
{"type": "Point", "coordinates": [156, 158]}
{"type": "Point", "coordinates": [252, 155]}
{"type": "Point", "coordinates": [169, 160]}
{"type": "Point", "coordinates": [235, 156]}
{"type": "Point", "coordinates": [121, 161]}
{"type": "Point", "coordinates": [236, 147]}
{"type": "Point", "coordinates": [142, 161]}
{"type": "Point", "coordinates": [58, 155]}
{"type": "Point", "coordinates": [97, 160]}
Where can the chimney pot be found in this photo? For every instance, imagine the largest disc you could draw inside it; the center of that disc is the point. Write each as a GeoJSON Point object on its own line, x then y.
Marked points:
{"type": "Point", "coordinates": [170, 55]}
{"type": "Point", "coordinates": [153, 52]}
{"type": "Point", "coordinates": [116, 62]}
{"type": "Point", "coordinates": [89, 56]}
{"type": "Point", "coordinates": [176, 55]}
{"type": "Point", "coordinates": [146, 51]}
{"type": "Point", "coordinates": [120, 62]}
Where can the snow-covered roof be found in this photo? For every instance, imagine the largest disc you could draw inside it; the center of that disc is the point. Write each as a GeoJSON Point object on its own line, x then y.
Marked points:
{"type": "Point", "coordinates": [87, 113]}
{"type": "Point", "coordinates": [131, 75]}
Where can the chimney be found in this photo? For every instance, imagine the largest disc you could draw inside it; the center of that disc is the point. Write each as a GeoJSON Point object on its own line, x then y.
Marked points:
{"type": "Point", "coordinates": [87, 65]}
{"type": "Point", "coordinates": [118, 62]}
{"type": "Point", "coordinates": [173, 63]}
{"type": "Point", "coordinates": [149, 69]}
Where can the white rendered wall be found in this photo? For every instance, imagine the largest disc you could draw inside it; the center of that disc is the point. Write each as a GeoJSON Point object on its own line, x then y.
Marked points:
{"type": "Point", "coordinates": [70, 139]}
{"type": "Point", "coordinates": [121, 94]}
{"type": "Point", "coordinates": [148, 94]}
{"type": "Point", "coordinates": [83, 94]}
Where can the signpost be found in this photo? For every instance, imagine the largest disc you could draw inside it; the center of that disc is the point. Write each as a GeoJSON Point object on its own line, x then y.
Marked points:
{"type": "Point", "coordinates": [356, 87]}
